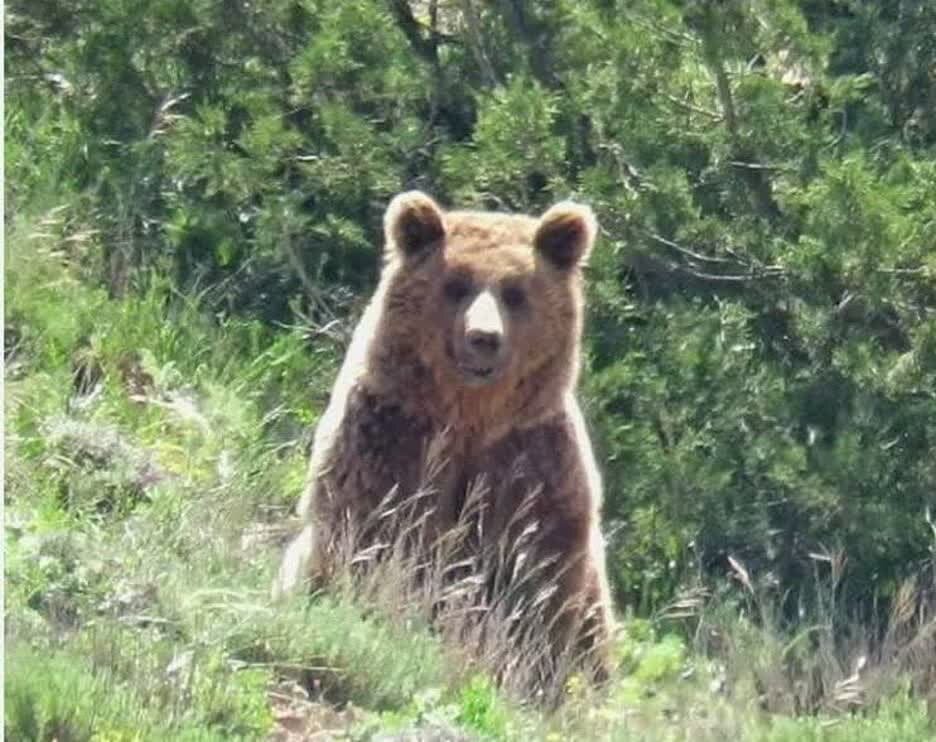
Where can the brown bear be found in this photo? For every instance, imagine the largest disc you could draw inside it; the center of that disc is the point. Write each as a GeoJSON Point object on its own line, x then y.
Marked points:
{"type": "Point", "coordinates": [473, 334]}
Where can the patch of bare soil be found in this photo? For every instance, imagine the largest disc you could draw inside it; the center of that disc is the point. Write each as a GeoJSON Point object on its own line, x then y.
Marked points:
{"type": "Point", "coordinates": [297, 717]}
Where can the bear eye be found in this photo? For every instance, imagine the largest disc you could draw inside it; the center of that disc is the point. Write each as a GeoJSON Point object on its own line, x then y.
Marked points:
{"type": "Point", "coordinates": [514, 297]}
{"type": "Point", "coordinates": [457, 289]}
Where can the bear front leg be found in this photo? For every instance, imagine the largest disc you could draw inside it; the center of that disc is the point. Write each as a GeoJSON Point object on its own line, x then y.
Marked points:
{"type": "Point", "coordinates": [298, 564]}
{"type": "Point", "coordinates": [546, 476]}
{"type": "Point", "coordinates": [302, 561]}
{"type": "Point", "coordinates": [368, 463]}
{"type": "Point", "coordinates": [587, 628]}
{"type": "Point", "coordinates": [579, 617]}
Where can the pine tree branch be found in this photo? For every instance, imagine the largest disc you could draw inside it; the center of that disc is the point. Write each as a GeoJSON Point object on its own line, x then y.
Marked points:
{"type": "Point", "coordinates": [476, 42]}
{"type": "Point", "coordinates": [424, 41]}
{"type": "Point", "coordinates": [534, 38]}
{"type": "Point", "coordinates": [755, 178]}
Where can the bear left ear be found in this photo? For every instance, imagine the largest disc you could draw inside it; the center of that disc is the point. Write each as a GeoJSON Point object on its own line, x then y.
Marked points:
{"type": "Point", "coordinates": [565, 234]}
{"type": "Point", "coordinates": [413, 223]}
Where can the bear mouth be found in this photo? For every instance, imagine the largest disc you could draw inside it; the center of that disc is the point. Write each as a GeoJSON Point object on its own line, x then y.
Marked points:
{"type": "Point", "coordinates": [477, 375]}
{"type": "Point", "coordinates": [473, 374]}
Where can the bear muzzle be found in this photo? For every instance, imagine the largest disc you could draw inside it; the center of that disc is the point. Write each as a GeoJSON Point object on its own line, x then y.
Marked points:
{"type": "Point", "coordinates": [481, 353]}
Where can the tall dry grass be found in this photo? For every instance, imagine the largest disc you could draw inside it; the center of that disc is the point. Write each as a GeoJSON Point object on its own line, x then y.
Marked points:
{"type": "Point", "coordinates": [829, 661]}
{"type": "Point", "coordinates": [490, 597]}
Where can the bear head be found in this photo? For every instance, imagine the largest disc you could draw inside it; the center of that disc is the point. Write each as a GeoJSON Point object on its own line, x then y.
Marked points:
{"type": "Point", "coordinates": [488, 305]}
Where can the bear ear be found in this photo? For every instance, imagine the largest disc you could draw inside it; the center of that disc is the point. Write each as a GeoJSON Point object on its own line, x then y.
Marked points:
{"type": "Point", "coordinates": [565, 234]}
{"type": "Point", "coordinates": [413, 223]}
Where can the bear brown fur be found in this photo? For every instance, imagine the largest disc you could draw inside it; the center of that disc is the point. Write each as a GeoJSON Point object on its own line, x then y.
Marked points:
{"type": "Point", "coordinates": [473, 334]}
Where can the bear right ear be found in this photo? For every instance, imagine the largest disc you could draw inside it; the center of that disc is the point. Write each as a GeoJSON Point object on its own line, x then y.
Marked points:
{"type": "Point", "coordinates": [413, 223]}
{"type": "Point", "coordinates": [565, 234]}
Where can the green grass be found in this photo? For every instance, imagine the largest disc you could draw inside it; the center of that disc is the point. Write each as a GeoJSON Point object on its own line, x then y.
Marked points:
{"type": "Point", "coordinates": [141, 536]}
{"type": "Point", "coordinates": [64, 695]}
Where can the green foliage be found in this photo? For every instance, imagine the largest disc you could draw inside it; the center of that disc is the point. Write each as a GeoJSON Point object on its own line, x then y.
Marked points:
{"type": "Point", "coordinates": [898, 719]}
{"type": "Point", "coordinates": [481, 709]}
{"type": "Point", "coordinates": [59, 696]}
{"type": "Point", "coordinates": [514, 152]}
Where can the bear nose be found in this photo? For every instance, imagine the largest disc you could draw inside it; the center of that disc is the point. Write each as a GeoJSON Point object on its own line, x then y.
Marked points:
{"type": "Point", "coordinates": [484, 327]}
{"type": "Point", "coordinates": [484, 342]}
